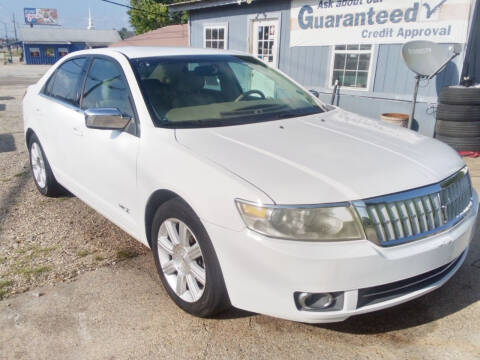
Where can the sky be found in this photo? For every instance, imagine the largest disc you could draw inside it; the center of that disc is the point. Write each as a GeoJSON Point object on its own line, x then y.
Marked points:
{"type": "Point", "coordinates": [71, 13]}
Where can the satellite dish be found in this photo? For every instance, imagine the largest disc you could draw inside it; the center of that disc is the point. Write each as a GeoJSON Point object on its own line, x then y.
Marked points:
{"type": "Point", "coordinates": [426, 58]}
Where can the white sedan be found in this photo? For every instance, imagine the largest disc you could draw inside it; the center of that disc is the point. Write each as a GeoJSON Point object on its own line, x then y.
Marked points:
{"type": "Point", "coordinates": [249, 190]}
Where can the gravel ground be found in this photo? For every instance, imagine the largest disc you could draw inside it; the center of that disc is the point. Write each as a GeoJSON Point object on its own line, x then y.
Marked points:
{"type": "Point", "coordinates": [44, 240]}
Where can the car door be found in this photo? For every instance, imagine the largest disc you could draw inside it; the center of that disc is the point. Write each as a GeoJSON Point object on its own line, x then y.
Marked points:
{"type": "Point", "coordinates": [106, 160]}
{"type": "Point", "coordinates": [58, 110]}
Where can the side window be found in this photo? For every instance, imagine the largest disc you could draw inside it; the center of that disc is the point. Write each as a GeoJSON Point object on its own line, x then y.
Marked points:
{"type": "Point", "coordinates": [106, 88]}
{"type": "Point", "coordinates": [48, 88]}
{"type": "Point", "coordinates": [68, 80]}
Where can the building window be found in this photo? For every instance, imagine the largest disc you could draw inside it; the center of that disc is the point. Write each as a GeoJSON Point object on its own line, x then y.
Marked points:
{"type": "Point", "coordinates": [215, 36]}
{"type": "Point", "coordinates": [35, 52]}
{"type": "Point", "coordinates": [62, 52]}
{"type": "Point", "coordinates": [351, 65]}
{"type": "Point", "coordinates": [50, 52]}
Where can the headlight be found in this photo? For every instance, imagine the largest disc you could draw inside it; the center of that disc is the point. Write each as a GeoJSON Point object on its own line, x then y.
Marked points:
{"type": "Point", "coordinates": [302, 223]}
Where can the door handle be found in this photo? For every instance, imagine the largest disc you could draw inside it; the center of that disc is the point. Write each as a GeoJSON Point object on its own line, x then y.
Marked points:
{"type": "Point", "coordinates": [77, 132]}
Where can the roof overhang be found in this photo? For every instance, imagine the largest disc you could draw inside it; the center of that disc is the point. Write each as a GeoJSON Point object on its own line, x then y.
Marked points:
{"type": "Point", "coordinates": [203, 4]}
{"type": "Point", "coordinates": [93, 44]}
{"type": "Point", "coordinates": [46, 42]}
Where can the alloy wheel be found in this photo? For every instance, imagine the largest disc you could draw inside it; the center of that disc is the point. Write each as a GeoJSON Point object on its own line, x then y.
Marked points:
{"type": "Point", "coordinates": [181, 260]}
{"type": "Point", "coordinates": [38, 165]}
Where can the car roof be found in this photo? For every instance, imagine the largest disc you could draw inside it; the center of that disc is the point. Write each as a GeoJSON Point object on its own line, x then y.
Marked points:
{"type": "Point", "coordinates": [135, 52]}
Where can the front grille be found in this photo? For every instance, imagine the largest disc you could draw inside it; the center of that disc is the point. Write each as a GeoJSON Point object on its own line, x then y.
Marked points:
{"type": "Point", "coordinates": [378, 294]}
{"type": "Point", "coordinates": [402, 217]}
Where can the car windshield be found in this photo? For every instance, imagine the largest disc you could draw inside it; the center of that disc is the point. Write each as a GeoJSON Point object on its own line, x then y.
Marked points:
{"type": "Point", "coordinates": [218, 90]}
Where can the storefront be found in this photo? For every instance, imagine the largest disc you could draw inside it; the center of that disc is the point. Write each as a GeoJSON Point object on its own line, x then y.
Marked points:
{"type": "Point", "coordinates": [48, 44]}
{"type": "Point", "coordinates": [356, 43]}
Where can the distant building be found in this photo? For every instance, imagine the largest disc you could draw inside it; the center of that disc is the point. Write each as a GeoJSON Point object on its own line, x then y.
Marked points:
{"type": "Point", "coordinates": [173, 35]}
{"type": "Point", "coordinates": [45, 45]}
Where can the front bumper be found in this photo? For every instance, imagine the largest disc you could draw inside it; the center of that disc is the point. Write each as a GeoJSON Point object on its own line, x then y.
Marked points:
{"type": "Point", "coordinates": [262, 274]}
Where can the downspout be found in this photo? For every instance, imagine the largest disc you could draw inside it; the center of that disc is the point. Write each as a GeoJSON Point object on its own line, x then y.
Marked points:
{"type": "Point", "coordinates": [469, 63]}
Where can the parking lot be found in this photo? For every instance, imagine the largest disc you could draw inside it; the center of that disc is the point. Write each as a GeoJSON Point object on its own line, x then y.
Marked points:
{"type": "Point", "coordinates": [74, 286]}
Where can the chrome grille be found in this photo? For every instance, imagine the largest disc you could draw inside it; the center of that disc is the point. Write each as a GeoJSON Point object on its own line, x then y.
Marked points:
{"type": "Point", "coordinates": [398, 218]}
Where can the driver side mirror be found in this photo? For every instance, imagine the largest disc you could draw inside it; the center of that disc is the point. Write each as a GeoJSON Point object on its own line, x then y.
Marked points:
{"type": "Point", "coordinates": [106, 119]}
{"type": "Point", "coordinates": [314, 93]}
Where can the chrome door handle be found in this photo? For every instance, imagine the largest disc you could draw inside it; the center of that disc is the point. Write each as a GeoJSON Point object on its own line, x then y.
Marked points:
{"type": "Point", "coordinates": [77, 132]}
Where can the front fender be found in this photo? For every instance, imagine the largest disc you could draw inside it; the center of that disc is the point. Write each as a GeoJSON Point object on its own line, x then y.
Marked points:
{"type": "Point", "coordinates": [208, 188]}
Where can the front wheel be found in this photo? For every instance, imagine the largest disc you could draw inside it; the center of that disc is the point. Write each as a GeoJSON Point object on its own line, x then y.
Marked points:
{"type": "Point", "coordinates": [186, 260]}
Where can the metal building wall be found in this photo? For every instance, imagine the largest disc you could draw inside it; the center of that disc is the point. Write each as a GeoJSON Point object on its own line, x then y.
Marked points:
{"type": "Point", "coordinates": [43, 59]}
{"type": "Point", "coordinates": [392, 83]}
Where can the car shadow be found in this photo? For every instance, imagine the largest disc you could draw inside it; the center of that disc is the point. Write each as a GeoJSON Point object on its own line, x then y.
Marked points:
{"type": "Point", "coordinates": [233, 313]}
{"type": "Point", "coordinates": [7, 143]}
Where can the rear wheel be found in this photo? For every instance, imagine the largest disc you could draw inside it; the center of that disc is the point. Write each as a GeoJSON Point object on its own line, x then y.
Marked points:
{"type": "Point", "coordinates": [186, 261]}
{"type": "Point", "coordinates": [42, 173]}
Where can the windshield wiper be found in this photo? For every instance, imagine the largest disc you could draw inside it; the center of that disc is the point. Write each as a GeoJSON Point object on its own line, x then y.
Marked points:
{"type": "Point", "coordinates": [254, 110]}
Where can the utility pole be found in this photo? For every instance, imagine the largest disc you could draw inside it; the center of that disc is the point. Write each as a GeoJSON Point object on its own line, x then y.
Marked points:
{"type": "Point", "coordinates": [8, 42]}
{"type": "Point", "coordinates": [14, 26]}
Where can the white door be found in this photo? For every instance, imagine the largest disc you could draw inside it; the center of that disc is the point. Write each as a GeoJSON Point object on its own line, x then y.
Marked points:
{"type": "Point", "coordinates": [59, 112]}
{"type": "Point", "coordinates": [106, 160]}
{"type": "Point", "coordinates": [266, 35]}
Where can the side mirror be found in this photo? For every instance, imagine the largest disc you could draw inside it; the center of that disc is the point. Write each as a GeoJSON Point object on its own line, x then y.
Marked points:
{"type": "Point", "coordinates": [106, 119]}
{"type": "Point", "coordinates": [314, 93]}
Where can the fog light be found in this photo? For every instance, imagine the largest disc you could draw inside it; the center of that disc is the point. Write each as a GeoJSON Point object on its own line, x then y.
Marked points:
{"type": "Point", "coordinates": [319, 301]}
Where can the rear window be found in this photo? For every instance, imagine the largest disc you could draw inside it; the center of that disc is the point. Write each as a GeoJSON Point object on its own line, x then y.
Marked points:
{"type": "Point", "coordinates": [65, 84]}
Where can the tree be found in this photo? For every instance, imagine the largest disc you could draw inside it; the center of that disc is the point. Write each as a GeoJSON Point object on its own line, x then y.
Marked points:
{"type": "Point", "coordinates": [152, 15]}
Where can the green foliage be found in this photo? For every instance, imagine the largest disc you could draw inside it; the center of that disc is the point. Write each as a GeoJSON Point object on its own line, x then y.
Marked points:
{"type": "Point", "coordinates": [153, 14]}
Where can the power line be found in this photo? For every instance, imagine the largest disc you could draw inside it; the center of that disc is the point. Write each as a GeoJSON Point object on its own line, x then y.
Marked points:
{"type": "Point", "coordinates": [131, 7]}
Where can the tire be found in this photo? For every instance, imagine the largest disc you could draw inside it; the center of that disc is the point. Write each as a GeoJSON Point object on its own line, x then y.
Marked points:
{"type": "Point", "coordinates": [458, 128]}
{"type": "Point", "coordinates": [174, 265]}
{"type": "Point", "coordinates": [460, 95]}
{"type": "Point", "coordinates": [41, 170]}
{"type": "Point", "coordinates": [461, 143]}
{"type": "Point", "coordinates": [458, 112]}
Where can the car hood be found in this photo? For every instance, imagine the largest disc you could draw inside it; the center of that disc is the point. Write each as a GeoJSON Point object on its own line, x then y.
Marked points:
{"type": "Point", "coordinates": [324, 158]}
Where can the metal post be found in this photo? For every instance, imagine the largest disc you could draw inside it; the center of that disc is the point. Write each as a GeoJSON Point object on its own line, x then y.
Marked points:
{"type": "Point", "coordinates": [8, 42]}
{"type": "Point", "coordinates": [414, 102]}
{"type": "Point", "coordinates": [334, 93]}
